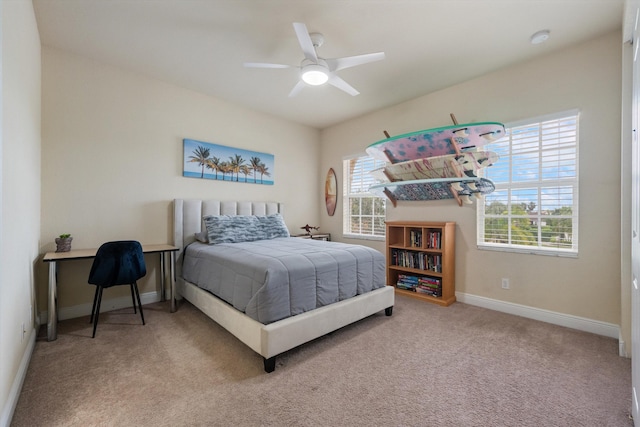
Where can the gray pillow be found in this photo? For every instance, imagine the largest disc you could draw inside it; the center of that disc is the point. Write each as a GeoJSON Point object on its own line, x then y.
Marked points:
{"type": "Point", "coordinates": [244, 228]}
{"type": "Point", "coordinates": [272, 226]}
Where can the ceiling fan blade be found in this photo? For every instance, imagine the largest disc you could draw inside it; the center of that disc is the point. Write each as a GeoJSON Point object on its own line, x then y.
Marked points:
{"type": "Point", "coordinates": [342, 85]}
{"type": "Point", "coordinates": [265, 65]}
{"type": "Point", "coordinates": [297, 88]}
{"type": "Point", "coordinates": [336, 64]}
{"type": "Point", "coordinates": [305, 42]}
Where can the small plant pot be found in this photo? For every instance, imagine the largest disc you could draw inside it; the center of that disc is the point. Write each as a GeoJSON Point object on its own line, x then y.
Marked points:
{"type": "Point", "coordinates": [63, 245]}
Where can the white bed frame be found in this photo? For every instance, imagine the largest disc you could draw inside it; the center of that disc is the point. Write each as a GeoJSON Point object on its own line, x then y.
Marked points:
{"type": "Point", "coordinates": [277, 337]}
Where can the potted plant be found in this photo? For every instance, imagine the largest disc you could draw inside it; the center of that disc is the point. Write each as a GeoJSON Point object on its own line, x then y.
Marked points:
{"type": "Point", "coordinates": [63, 242]}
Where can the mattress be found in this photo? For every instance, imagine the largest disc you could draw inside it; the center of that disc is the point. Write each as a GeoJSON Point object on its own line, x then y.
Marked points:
{"type": "Point", "coordinates": [270, 280]}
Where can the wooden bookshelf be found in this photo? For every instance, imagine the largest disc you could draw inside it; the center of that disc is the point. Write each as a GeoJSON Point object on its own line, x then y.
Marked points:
{"type": "Point", "coordinates": [421, 260]}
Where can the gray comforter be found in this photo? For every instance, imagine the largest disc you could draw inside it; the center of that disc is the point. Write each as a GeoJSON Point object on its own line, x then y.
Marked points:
{"type": "Point", "coordinates": [273, 279]}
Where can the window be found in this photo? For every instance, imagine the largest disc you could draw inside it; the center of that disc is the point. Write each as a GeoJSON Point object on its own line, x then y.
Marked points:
{"type": "Point", "coordinates": [364, 214]}
{"type": "Point", "coordinates": [534, 208]}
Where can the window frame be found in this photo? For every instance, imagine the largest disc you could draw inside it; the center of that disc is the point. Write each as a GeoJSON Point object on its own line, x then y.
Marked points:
{"type": "Point", "coordinates": [538, 184]}
{"type": "Point", "coordinates": [365, 181]}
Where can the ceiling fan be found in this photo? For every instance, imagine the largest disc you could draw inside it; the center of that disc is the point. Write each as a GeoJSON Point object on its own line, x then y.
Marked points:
{"type": "Point", "coordinates": [315, 70]}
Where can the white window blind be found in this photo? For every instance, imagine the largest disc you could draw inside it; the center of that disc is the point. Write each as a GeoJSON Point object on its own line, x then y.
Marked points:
{"type": "Point", "coordinates": [535, 206]}
{"type": "Point", "coordinates": [364, 213]}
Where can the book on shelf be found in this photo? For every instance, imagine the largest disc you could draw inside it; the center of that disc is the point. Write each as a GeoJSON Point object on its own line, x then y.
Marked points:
{"type": "Point", "coordinates": [434, 239]}
{"type": "Point", "coordinates": [417, 260]}
{"type": "Point", "coordinates": [415, 238]}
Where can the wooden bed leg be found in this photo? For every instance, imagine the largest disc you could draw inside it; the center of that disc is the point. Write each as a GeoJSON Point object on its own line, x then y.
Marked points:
{"type": "Point", "coordinates": [269, 364]}
{"type": "Point", "coordinates": [388, 311]}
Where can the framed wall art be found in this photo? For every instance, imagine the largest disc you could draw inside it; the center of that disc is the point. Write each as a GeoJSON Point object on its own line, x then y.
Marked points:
{"type": "Point", "coordinates": [205, 160]}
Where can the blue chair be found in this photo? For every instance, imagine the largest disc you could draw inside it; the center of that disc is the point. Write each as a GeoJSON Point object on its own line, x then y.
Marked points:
{"type": "Point", "coordinates": [116, 263]}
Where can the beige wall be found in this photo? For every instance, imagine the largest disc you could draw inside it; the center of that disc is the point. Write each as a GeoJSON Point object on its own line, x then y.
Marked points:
{"type": "Point", "coordinates": [112, 161]}
{"type": "Point", "coordinates": [587, 77]}
{"type": "Point", "coordinates": [20, 192]}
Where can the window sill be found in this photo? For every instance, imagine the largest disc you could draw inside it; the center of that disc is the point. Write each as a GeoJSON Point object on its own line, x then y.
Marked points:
{"type": "Point", "coordinates": [364, 237]}
{"type": "Point", "coordinates": [530, 251]}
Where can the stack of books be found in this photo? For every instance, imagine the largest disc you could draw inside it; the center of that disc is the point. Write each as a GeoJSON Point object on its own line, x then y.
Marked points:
{"type": "Point", "coordinates": [420, 284]}
{"type": "Point", "coordinates": [407, 282]}
{"type": "Point", "coordinates": [430, 286]}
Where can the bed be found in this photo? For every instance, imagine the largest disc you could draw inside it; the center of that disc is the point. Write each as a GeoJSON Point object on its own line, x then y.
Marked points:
{"type": "Point", "coordinates": [272, 331]}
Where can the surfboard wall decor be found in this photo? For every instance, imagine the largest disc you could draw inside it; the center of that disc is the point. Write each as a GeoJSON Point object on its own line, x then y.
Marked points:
{"type": "Point", "coordinates": [436, 164]}
{"type": "Point", "coordinates": [436, 142]}
{"type": "Point", "coordinates": [331, 192]}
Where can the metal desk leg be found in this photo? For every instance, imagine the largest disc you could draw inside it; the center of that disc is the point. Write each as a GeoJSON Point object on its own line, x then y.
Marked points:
{"type": "Point", "coordinates": [52, 310]}
{"type": "Point", "coordinates": [172, 273]}
{"type": "Point", "coordinates": [162, 296]}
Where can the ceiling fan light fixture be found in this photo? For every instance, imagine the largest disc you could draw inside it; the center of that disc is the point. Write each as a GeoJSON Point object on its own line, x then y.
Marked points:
{"type": "Point", "coordinates": [315, 75]}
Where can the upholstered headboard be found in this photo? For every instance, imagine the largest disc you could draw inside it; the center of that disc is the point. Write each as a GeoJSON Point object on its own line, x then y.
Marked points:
{"type": "Point", "coordinates": [188, 213]}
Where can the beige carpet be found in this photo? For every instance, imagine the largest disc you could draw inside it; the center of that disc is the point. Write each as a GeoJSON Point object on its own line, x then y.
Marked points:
{"type": "Point", "coordinates": [424, 366]}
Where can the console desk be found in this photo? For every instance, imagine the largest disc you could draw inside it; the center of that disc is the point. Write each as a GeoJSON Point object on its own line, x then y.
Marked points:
{"type": "Point", "coordinates": [53, 257]}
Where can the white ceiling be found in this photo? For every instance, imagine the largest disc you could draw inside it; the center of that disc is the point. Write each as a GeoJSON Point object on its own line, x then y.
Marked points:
{"type": "Point", "coordinates": [429, 44]}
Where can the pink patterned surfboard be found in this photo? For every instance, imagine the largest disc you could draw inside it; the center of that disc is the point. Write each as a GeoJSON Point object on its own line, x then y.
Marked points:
{"type": "Point", "coordinates": [436, 142]}
{"type": "Point", "coordinates": [448, 166]}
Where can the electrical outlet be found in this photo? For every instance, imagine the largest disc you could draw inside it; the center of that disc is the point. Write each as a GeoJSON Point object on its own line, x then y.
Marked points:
{"type": "Point", "coordinates": [505, 283]}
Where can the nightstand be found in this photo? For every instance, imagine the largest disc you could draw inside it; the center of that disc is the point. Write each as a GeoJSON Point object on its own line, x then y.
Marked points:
{"type": "Point", "coordinates": [319, 236]}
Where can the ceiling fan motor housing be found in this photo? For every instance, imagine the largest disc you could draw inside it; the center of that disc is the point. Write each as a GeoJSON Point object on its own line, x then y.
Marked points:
{"type": "Point", "coordinates": [317, 39]}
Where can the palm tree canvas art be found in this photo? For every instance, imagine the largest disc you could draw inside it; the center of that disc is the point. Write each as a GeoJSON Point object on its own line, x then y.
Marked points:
{"type": "Point", "coordinates": [218, 162]}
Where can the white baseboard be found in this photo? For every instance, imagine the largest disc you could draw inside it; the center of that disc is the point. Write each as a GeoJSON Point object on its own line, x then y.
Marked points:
{"type": "Point", "coordinates": [16, 387]}
{"type": "Point", "coordinates": [106, 305]}
{"type": "Point", "coordinates": [622, 349]}
{"type": "Point", "coordinates": [580, 323]}
{"type": "Point", "coordinates": [575, 322]}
